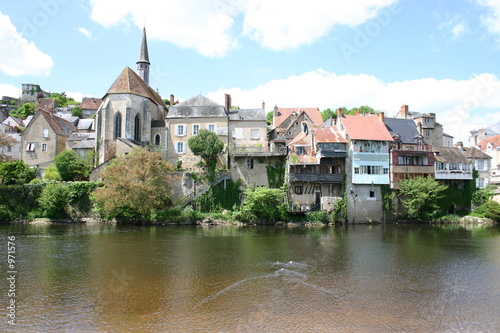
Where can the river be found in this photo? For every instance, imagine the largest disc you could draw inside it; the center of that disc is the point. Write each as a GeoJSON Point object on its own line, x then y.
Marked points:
{"type": "Point", "coordinates": [356, 278]}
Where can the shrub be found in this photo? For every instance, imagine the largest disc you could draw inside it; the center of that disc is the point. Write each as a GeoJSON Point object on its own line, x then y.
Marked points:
{"type": "Point", "coordinates": [317, 217]}
{"type": "Point", "coordinates": [491, 209]}
{"type": "Point", "coordinates": [54, 200]}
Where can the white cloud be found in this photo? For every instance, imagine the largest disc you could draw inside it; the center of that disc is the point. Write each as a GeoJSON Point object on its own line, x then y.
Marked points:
{"type": "Point", "coordinates": [9, 90]}
{"type": "Point", "coordinates": [460, 105]}
{"type": "Point", "coordinates": [209, 26]}
{"type": "Point", "coordinates": [77, 96]}
{"type": "Point", "coordinates": [492, 19]}
{"type": "Point", "coordinates": [455, 26]}
{"type": "Point", "coordinates": [19, 56]}
{"type": "Point", "coordinates": [86, 33]}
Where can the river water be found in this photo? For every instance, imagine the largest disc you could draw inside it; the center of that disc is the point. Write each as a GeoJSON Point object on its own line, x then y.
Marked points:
{"type": "Point", "coordinates": [356, 278]}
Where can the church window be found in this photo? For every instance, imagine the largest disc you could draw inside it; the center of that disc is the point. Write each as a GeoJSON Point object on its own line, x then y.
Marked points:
{"type": "Point", "coordinates": [118, 125]}
{"type": "Point", "coordinates": [137, 128]}
{"type": "Point", "coordinates": [157, 139]}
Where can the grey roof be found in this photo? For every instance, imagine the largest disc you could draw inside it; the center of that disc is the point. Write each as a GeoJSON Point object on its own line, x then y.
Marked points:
{"type": "Point", "coordinates": [474, 153]}
{"type": "Point", "coordinates": [143, 53]}
{"type": "Point", "coordinates": [492, 130]}
{"type": "Point", "coordinates": [406, 128]}
{"type": "Point", "coordinates": [87, 144]}
{"type": "Point", "coordinates": [85, 124]}
{"type": "Point", "coordinates": [328, 122]}
{"type": "Point", "coordinates": [77, 136]}
{"type": "Point", "coordinates": [68, 117]}
{"type": "Point", "coordinates": [247, 114]}
{"type": "Point", "coordinates": [197, 107]}
{"type": "Point", "coordinates": [449, 154]}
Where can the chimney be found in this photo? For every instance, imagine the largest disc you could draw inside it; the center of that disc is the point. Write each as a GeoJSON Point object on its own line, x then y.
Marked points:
{"type": "Point", "coordinates": [404, 111]}
{"type": "Point", "coordinates": [264, 105]}
{"type": "Point", "coordinates": [381, 115]}
{"type": "Point", "coordinates": [172, 98]}
{"type": "Point", "coordinates": [460, 145]}
{"type": "Point", "coordinates": [339, 112]}
{"type": "Point", "coordinates": [228, 102]}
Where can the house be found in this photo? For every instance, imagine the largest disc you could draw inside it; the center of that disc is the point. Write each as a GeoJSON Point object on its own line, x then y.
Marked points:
{"type": "Point", "coordinates": [132, 114]}
{"type": "Point", "coordinates": [83, 143]}
{"type": "Point", "coordinates": [490, 145]}
{"type": "Point", "coordinates": [452, 164]}
{"type": "Point", "coordinates": [367, 165]}
{"type": "Point", "coordinates": [478, 135]}
{"type": "Point", "coordinates": [32, 92]}
{"type": "Point", "coordinates": [431, 130]}
{"type": "Point", "coordinates": [316, 169]}
{"type": "Point", "coordinates": [12, 126]}
{"type": "Point", "coordinates": [44, 138]}
{"type": "Point", "coordinates": [410, 156]}
{"type": "Point", "coordinates": [289, 122]}
{"type": "Point", "coordinates": [250, 156]}
{"type": "Point", "coordinates": [89, 106]}
{"type": "Point", "coordinates": [481, 163]}
{"type": "Point", "coordinates": [184, 120]}
{"type": "Point", "coordinates": [47, 104]}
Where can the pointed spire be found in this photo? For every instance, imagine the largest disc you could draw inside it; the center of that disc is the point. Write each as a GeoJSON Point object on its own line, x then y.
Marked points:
{"type": "Point", "coordinates": [143, 61]}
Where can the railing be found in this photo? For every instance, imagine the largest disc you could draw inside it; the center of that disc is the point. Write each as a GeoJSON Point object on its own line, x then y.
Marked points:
{"type": "Point", "coordinates": [201, 189]}
{"type": "Point", "coordinates": [255, 151]}
{"type": "Point", "coordinates": [316, 177]}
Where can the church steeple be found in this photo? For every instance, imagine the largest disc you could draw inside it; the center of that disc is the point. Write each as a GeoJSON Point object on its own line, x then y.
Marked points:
{"type": "Point", "coordinates": [143, 61]}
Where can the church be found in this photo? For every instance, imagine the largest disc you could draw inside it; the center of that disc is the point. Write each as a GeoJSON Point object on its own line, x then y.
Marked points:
{"type": "Point", "coordinates": [132, 114]}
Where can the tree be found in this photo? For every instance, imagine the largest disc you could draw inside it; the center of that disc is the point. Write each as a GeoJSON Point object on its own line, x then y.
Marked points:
{"type": "Point", "coordinates": [263, 204]}
{"type": "Point", "coordinates": [135, 185]}
{"type": "Point", "coordinates": [70, 166]}
{"type": "Point", "coordinates": [208, 146]}
{"type": "Point", "coordinates": [491, 209]}
{"type": "Point", "coordinates": [5, 141]}
{"type": "Point", "coordinates": [420, 196]}
{"type": "Point", "coordinates": [328, 114]}
{"type": "Point", "coordinates": [77, 112]}
{"type": "Point", "coordinates": [51, 173]}
{"type": "Point", "coordinates": [54, 199]}
{"type": "Point", "coordinates": [16, 173]}
{"type": "Point", "coordinates": [62, 100]}
{"type": "Point", "coordinates": [27, 109]}
{"type": "Point", "coordinates": [362, 109]}
{"type": "Point", "coordinates": [269, 118]}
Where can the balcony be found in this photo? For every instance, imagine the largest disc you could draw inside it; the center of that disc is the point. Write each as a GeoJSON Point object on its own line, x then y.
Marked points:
{"type": "Point", "coordinates": [316, 177]}
{"type": "Point", "coordinates": [256, 151]}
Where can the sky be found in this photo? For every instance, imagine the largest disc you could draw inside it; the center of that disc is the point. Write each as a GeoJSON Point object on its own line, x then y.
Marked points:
{"type": "Point", "coordinates": [437, 56]}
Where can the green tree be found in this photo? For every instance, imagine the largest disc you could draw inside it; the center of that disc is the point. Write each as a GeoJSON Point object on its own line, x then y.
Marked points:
{"type": "Point", "coordinates": [77, 112]}
{"type": "Point", "coordinates": [491, 209]}
{"type": "Point", "coordinates": [51, 174]}
{"type": "Point", "coordinates": [70, 166]}
{"type": "Point", "coordinates": [54, 200]}
{"type": "Point", "coordinates": [263, 204]}
{"type": "Point", "coordinates": [27, 109]}
{"type": "Point", "coordinates": [62, 100]}
{"type": "Point", "coordinates": [208, 146]}
{"type": "Point", "coordinates": [328, 114]}
{"type": "Point", "coordinates": [269, 118]}
{"type": "Point", "coordinates": [135, 185]}
{"type": "Point", "coordinates": [420, 196]}
{"type": "Point", "coordinates": [16, 172]}
{"type": "Point", "coordinates": [362, 109]}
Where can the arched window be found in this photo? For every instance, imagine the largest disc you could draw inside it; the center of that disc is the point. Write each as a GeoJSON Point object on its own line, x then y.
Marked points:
{"type": "Point", "coordinates": [137, 128]}
{"type": "Point", "coordinates": [118, 125]}
{"type": "Point", "coordinates": [157, 139]}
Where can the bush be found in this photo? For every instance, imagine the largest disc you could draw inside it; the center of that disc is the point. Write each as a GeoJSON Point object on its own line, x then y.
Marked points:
{"type": "Point", "coordinates": [54, 200]}
{"type": "Point", "coordinates": [317, 217]}
{"type": "Point", "coordinates": [490, 209]}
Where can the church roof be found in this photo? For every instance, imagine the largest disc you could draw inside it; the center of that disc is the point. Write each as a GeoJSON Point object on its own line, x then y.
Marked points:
{"type": "Point", "coordinates": [130, 83]}
{"type": "Point", "coordinates": [198, 106]}
{"type": "Point", "coordinates": [143, 53]}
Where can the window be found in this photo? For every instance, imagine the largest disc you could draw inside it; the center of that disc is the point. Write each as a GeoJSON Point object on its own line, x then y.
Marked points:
{"type": "Point", "coordinates": [180, 130]}
{"type": "Point", "coordinates": [157, 139]}
{"type": "Point", "coordinates": [372, 194]}
{"type": "Point", "coordinates": [118, 126]}
{"type": "Point", "coordinates": [212, 128]}
{"type": "Point", "coordinates": [254, 134]}
{"type": "Point", "coordinates": [30, 146]}
{"type": "Point", "coordinates": [250, 164]}
{"type": "Point", "coordinates": [356, 170]}
{"type": "Point", "coordinates": [238, 133]}
{"type": "Point", "coordinates": [180, 147]}
{"type": "Point", "coordinates": [480, 165]}
{"type": "Point", "coordinates": [137, 128]}
{"type": "Point", "coordinates": [300, 150]}
{"type": "Point", "coordinates": [427, 134]}
{"type": "Point", "coordinates": [80, 153]}
{"type": "Point", "coordinates": [298, 189]}
{"type": "Point", "coordinates": [44, 147]}
{"type": "Point", "coordinates": [9, 149]}
{"type": "Point", "coordinates": [196, 129]}
{"type": "Point", "coordinates": [45, 133]}
{"type": "Point", "coordinates": [386, 171]}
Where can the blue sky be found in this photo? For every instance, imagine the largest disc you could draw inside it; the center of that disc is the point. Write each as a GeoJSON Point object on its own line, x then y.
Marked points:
{"type": "Point", "coordinates": [439, 56]}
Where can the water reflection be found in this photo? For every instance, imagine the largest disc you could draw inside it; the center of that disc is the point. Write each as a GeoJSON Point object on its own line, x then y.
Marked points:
{"type": "Point", "coordinates": [225, 279]}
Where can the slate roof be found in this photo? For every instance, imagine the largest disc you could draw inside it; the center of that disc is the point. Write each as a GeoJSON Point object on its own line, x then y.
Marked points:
{"type": "Point", "coordinates": [85, 124]}
{"type": "Point", "coordinates": [327, 134]}
{"type": "Point", "coordinates": [247, 114]}
{"type": "Point", "coordinates": [406, 129]}
{"type": "Point", "coordinates": [91, 103]}
{"type": "Point", "coordinates": [365, 127]}
{"type": "Point", "coordinates": [284, 113]}
{"type": "Point", "coordinates": [198, 106]}
{"type": "Point", "coordinates": [143, 53]}
{"type": "Point", "coordinates": [493, 140]}
{"type": "Point", "coordinates": [81, 136]}
{"type": "Point", "coordinates": [130, 83]}
{"type": "Point", "coordinates": [449, 154]}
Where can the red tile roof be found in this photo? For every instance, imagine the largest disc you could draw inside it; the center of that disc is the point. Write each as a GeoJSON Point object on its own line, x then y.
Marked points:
{"type": "Point", "coordinates": [493, 140]}
{"type": "Point", "coordinates": [284, 113]}
{"type": "Point", "coordinates": [365, 127]}
{"type": "Point", "coordinates": [327, 134]}
{"type": "Point", "coordinates": [91, 103]}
